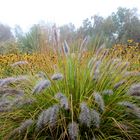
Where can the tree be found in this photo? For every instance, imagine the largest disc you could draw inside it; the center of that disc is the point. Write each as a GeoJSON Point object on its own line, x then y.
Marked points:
{"type": "Point", "coordinates": [127, 24]}
{"type": "Point", "coordinates": [67, 32]}
{"type": "Point", "coordinates": [5, 33]}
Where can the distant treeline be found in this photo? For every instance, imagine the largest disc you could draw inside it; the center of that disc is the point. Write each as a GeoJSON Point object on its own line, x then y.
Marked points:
{"type": "Point", "coordinates": [120, 26]}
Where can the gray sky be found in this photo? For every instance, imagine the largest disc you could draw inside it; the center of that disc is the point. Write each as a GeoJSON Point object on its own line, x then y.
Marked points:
{"type": "Point", "coordinates": [27, 12]}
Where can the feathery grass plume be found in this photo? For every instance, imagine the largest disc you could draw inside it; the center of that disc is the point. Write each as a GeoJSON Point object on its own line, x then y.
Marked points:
{"type": "Point", "coordinates": [84, 43]}
{"type": "Point", "coordinates": [48, 116]}
{"type": "Point", "coordinates": [6, 81]}
{"type": "Point", "coordinates": [5, 105]}
{"type": "Point", "coordinates": [131, 73]}
{"type": "Point", "coordinates": [63, 101]}
{"type": "Point", "coordinates": [41, 74]}
{"type": "Point", "coordinates": [105, 53]}
{"type": "Point", "coordinates": [96, 74]}
{"type": "Point", "coordinates": [8, 91]}
{"type": "Point", "coordinates": [97, 70]}
{"type": "Point", "coordinates": [41, 85]}
{"type": "Point", "coordinates": [85, 115]}
{"type": "Point", "coordinates": [134, 90]}
{"type": "Point", "coordinates": [135, 109]}
{"type": "Point", "coordinates": [66, 48]}
{"type": "Point", "coordinates": [22, 78]}
{"type": "Point", "coordinates": [95, 118]}
{"type": "Point", "coordinates": [107, 92]}
{"type": "Point", "coordinates": [6, 109]}
{"type": "Point", "coordinates": [9, 80]}
{"type": "Point", "coordinates": [53, 115]}
{"type": "Point", "coordinates": [93, 138]}
{"type": "Point", "coordinates": [40, 122]}
{"type": "Point", "coordinates": [99, 100]}
{"type": "Point", "coordinates": [98, 64]}
{"type": "Point", "coordinates": [19, 63]}
{"type": "Point", "coordinates": [21, 129]}
{"type": "Point", "coordinates": [73, 130]}
{"type": "Point", "coordinates": [18, 102]}
{"type": "Point", "coordinates": [57, 76]}
{"type": "Point", "coordinates": [117, 85]}
{"type": "Point", "coordinates": [99, 50]}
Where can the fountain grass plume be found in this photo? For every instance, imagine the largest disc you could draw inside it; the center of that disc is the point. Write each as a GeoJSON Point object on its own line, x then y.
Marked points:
{"type": "Point", "coordinates": [5, 105]}
{"type": "Point", "coordinates": [53, 115]}
{"type": "Point", "coordinates": [57, 76]}
{"type": "Point", "coordinates": [63, 101]}
{"type": "Point", "coordinates": [19, 63]}
{"type": "Point", "coordinates": [99, 100]}
{"type": "Point", "coordinates": [107, 92]}
{"type": "Point", "coordinates": [95, 116]}
{"type": "Point", "coordinates": [9, 80]}
{"type": "Point", "coordinates": [132, 107]}
{"type": "Point", "coordinates": [6, 81]}
{"type": "Point", "coordinates": [21, 129]}
{"type": "Point", "coordinates": [85, 115]}
{"type": "Point", "coordinates": [41, 85]}
{"type": "Point", "coordinates": [66, 48]}
{"type": "Point", "coordinates": [73, 130]}
{"type": "Point", "coordinates": [119, 84]}
{"type": "Point", "coordinates": [10, 91]}
{"type": "Point", "coordinates": [47, 117]}
{"type": "Point", "coordinates": [134, 90]}
{"type": "Point", "coordinates": [41, 74]}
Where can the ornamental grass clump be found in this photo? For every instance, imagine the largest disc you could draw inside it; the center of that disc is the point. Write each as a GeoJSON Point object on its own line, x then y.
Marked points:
{"type": "Point", "coordinates": [79, 106]}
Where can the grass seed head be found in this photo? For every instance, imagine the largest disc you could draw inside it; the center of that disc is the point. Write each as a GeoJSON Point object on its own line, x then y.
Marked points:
{"type": "Point", "coordinates": [57, 76]}
{"type": "Point", "coordinates": [41, 74]}
{"type": "Point", "coordinates": [41, 86]}
{"type": "Point", "coordinates": [6, 81]}
{"type": "Point", "coordinates": [107, 92]}
{"type": "Point", "coordinates": [117, 85]}
{"type": "Point", "coordinates": [95, 116]}
{"type": "Point", "coordinates": [134, 109]}
{"type": "Point", "coordinates": [99, 100]}
{"type": "Point", "coordinates": [85, 115]}
{"type": "Point", "coordinates": [19, 63]}
{"type": "Point", "coordinates": [66, 48]}
{"type": "Point", "coordinates": [53, 115]}
{"type": "Point", "coordinates": [134, 90]}
{"type": "Point", "coordinates": [63, 101]}
{"type": "Point", "coordinates": [23, 127]}
{"type": "Point", "coordinates": [48, 116]}
{"type": "Point", "coordinates": [73, 130]}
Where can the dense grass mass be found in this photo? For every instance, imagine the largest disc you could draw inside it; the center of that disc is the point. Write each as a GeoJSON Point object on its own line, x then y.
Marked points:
{"type": "Point", "coordinates": [60, 95]}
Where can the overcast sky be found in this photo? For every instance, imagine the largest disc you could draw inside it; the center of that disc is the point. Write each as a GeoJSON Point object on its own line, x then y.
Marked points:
{"type": "Point", "coordinates": [27, 12]}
